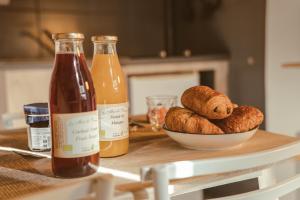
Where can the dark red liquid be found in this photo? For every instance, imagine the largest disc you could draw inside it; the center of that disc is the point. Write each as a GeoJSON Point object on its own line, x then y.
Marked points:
{"type": "Point", "coordinates": [66, 96]}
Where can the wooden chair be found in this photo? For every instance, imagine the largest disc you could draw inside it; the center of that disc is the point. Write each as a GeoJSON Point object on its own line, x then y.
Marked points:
{"type": "Point", "coordinates": [99, 187]}
{"type": "Point", "coordinates": [161, 175]}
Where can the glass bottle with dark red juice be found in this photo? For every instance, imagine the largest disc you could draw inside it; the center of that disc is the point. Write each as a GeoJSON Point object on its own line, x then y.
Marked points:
{"type": "Point", "coordinates": [74, 117]}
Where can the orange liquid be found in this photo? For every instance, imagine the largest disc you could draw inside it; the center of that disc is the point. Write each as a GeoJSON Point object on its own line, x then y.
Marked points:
{"type": "Point", "coordinates": [111, 88]}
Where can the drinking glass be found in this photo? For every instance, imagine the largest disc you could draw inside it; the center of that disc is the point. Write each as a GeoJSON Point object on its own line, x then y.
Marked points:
{"type": "Point", "coordinates": [158, 107]}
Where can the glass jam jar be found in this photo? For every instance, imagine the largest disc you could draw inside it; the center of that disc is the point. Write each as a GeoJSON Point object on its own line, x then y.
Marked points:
{"type": "Point", "coordinates": [38, 131]}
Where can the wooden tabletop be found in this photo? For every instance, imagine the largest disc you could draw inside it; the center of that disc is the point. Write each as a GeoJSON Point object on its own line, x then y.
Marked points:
{"type": "Point", "coordinates": [164, 150]}
{"type": "Point", "coordinates": [146, 148]}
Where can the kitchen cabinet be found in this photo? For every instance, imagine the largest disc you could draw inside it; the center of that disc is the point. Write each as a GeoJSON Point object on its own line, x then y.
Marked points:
{"type": "Point", "coordinates": [171, 76]}
{"type": "Point", "coordinates": [165, 84]}
{"type": "Point", "coordinates": [25, 82]}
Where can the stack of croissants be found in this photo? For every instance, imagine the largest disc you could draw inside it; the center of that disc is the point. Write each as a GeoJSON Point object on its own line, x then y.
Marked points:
{"type": "Point", "coordinates": [207, 111]}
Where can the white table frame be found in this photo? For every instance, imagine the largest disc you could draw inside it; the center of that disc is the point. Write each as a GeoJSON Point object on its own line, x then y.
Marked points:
{"type": "Point", "coordinates": [161, 174]}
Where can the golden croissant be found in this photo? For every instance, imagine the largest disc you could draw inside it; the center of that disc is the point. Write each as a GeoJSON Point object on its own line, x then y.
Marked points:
{"type": "Point", "coordinates": [184, 120]}
{"type": "Point", "coordinates": [207, 102]}
{"type": "Point", "coordinates": [243, 118]}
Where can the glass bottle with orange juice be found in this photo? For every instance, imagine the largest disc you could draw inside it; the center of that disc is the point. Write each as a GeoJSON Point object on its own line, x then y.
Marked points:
{"type": "Point", "coordinates": [111, 97]}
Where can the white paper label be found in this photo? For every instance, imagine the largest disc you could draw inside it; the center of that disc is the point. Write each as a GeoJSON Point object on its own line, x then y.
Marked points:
{"type": "Point", "coordinates": [113, 121]}
{"type": "Point", "coordinates": [75, 134]}
{"type": "Point", "coordinates": [40, 138]}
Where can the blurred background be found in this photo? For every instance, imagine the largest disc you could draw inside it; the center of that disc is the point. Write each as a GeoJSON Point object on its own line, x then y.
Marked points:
{"type": "Point", "coordinates": [230, 30]}
{"type": "Point", "coordinates": [249, 50]}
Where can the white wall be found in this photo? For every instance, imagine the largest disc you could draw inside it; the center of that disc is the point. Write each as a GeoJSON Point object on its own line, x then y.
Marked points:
{"type": "Point", "coordinates": [26, 86]}
{"type": "Point", "coordinates": [282, 84]}
{"type": "Point", "coordinates": [22, 82]}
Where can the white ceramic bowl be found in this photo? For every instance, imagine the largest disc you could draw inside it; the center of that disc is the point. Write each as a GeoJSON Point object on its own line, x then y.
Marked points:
{"type": "Point", "coordinates": [210, 142]}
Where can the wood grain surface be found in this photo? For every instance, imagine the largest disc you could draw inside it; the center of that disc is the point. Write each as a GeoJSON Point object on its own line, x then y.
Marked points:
{"type": "Point", "coordinates": [146, 148]}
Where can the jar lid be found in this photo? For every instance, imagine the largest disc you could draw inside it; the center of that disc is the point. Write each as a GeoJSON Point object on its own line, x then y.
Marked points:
{"type": "Point", "coordinates": [57, 36]}
{"type": "Point", "coordinates": [36, 109]}
{"type": "Point", "coordinates": [104, 38]}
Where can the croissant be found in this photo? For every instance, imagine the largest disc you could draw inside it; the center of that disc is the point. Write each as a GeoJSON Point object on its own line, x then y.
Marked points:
{"type": "Point", "coordinates": [184, 120]}
{"type": "Point", "coordinates": [207, 102]}
{"type": "Point", "coordinates": [243, 118]}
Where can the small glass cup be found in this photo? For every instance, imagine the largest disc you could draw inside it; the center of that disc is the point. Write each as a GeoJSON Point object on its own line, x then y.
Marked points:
{"type": "Point", "coordinates": [158, 107]}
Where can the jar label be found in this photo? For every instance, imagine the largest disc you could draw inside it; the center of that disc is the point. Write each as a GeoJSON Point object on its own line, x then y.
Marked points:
{"type": "Point", "coordinates": [39, 138]}
{"type": "Point", "coordinates": [75, 134]}
{"type": "Point", "coordinates": [113, 121]}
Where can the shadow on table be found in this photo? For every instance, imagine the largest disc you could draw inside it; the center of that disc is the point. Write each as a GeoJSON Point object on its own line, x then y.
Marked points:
{"type": "Point", "coordinates": [18, 139]}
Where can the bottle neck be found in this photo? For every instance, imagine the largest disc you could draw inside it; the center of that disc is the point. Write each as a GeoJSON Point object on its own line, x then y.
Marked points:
{"type": "Point", "coordinates": [105, 48]}
{"type": "Point", "coordinates": [67, 46]}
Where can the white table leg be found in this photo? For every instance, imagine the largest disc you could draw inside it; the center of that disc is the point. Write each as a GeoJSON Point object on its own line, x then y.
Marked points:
{"type": "Point", "coordinates": [161, 182]}
{"type": "Point", "coordinates": [104, 187]}
{"type": "Point", "coordinates": [196, 195]}
{"type": "Point", "coordinates": [266, 179]}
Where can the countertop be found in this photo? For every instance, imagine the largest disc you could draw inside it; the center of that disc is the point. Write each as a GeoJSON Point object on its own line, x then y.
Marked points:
{"type": "Point", "coordinates": [33, 63]}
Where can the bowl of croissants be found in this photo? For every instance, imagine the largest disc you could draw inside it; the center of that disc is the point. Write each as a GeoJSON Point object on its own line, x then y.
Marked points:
{"type": "Point", "coordinates": [209, 120]}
